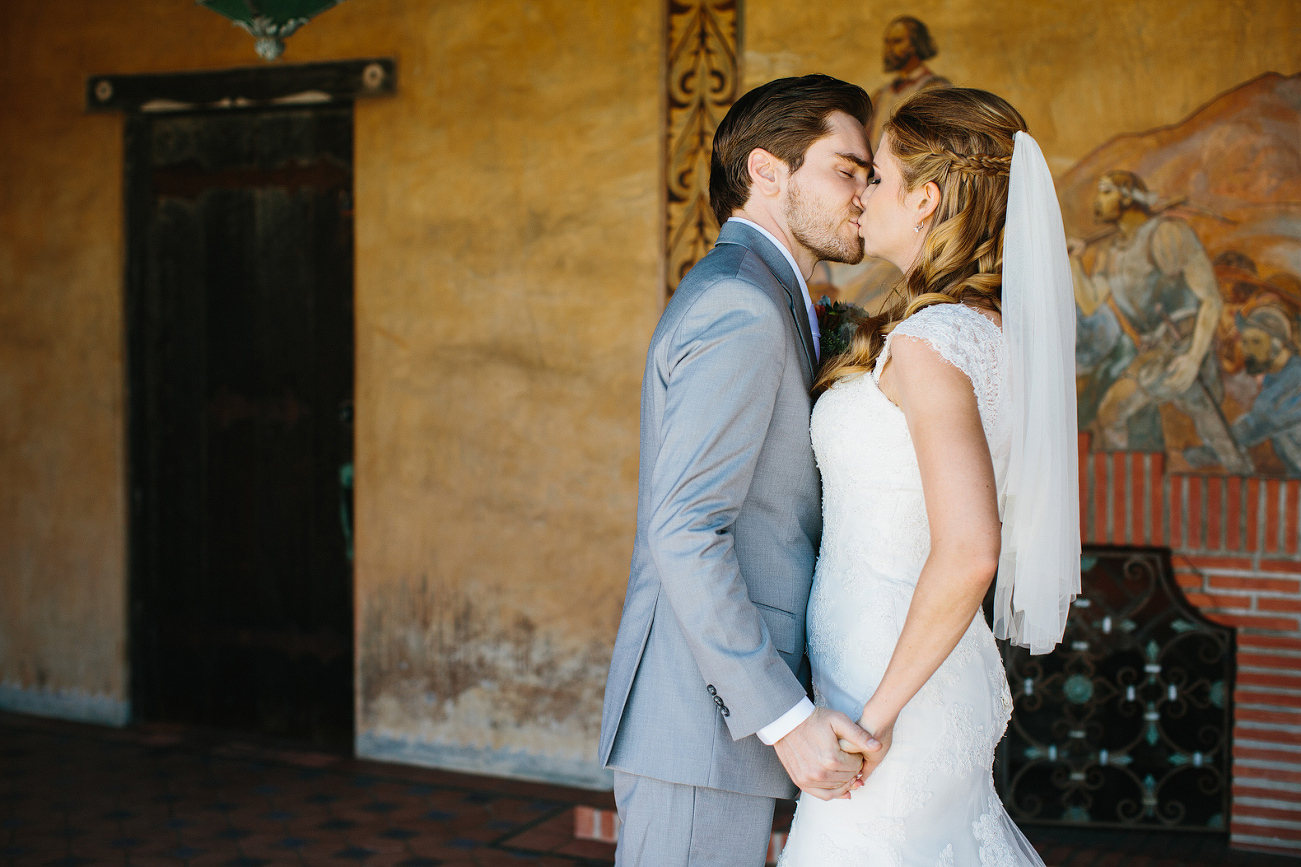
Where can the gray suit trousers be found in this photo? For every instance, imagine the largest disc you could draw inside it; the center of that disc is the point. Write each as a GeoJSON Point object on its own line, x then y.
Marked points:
{"type": "Point", "coordinates": [672, 825]}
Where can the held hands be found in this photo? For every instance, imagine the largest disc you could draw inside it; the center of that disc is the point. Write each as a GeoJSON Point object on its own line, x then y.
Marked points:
{"type": "Point", "coordinates": [882, 726]}
{"type": "Point", "coordinates": [825, 753]}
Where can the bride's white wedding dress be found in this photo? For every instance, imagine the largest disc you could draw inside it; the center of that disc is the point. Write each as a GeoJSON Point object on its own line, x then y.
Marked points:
{"type": "Point", "coordinates": [931, 802]}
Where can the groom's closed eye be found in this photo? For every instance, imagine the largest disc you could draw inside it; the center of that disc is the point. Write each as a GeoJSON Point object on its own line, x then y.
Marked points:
{"type": "Point", "coordinates": [852, 165]}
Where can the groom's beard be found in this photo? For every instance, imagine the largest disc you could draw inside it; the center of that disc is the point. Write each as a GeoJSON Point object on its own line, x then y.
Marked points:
{"type": "Point", "coordinates": [830, 237]}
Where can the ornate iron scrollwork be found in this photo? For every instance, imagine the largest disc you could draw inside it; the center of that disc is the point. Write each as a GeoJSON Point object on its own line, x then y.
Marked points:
{"type": "Point", "coordinates": [1127, 723]}
{"type": "Point", "coordinates": [703, 78]}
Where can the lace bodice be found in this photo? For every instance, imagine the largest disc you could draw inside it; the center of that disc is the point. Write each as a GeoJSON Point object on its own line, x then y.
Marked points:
{"type": "Point", "coordinates": [932, 800]}
{"type": "Point", "coordinates": [871, 485]}
{"type": "Point", "coordinates": [972, 343]}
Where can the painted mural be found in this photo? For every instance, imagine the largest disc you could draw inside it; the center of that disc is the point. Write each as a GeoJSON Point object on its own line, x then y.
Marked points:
{"type": "Point", "coordinates": [1185, 247]}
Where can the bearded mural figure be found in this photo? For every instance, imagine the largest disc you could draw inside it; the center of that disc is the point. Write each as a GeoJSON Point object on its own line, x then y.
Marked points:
{"type": "Point", "coordinates": [907, 45]}
{"type": "Point", "coordinates": [1149, 311]}
{"type": "Point", "coordinates": [1269, 352]}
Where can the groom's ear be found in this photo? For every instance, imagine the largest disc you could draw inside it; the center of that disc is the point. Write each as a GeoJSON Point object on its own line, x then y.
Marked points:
{"type": "Point", "coordinates": [766, 171]}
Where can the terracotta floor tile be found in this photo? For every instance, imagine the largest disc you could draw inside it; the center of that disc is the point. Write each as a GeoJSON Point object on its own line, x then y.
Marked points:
{"type": "Point", "coordinates": [100, 850]}
{"type": "Point", "coordinates": [410, 811]}
{"type": "Point", "coordinates": [383, 845]}
{"type": "Point", "coordinates": [79, 788]}
{"type": "Point", "coordinates": [156, 846]}
{"type": "Point", "coordinates": [313, 853]}
{"type": "Point", "coordinates": [387, 859]}
{"type": "Point", "coordinates": [28, 860]}
{"type": "Point", "coordinates": [538, 841]}
{"type": "Point", "coordinates": [48, 852]}
{"type": "Point", "coordinates": [209, 859]}
{"type": "Point", "coordinates": [262, 840]}
{"type": "Point", "coordinates": [587, 849]}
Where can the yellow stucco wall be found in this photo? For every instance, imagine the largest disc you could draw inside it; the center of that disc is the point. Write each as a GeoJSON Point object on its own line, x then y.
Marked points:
{"type": "Point", "coordinates": [507, 286]}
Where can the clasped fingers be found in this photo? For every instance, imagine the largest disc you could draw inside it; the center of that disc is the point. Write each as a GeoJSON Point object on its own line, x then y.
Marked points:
{"type": "Point", "coordinates": [813, 756]}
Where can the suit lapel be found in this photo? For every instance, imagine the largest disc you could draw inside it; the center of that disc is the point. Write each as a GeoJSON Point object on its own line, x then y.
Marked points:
{"type": "Point", "coordinates": [801, 314]}
{"type": "Point", "coordinates": [739, 233]}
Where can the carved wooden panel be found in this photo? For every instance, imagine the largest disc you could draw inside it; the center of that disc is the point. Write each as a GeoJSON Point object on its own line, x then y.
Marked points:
{"type": "Point", "coordinates": [703, 80]}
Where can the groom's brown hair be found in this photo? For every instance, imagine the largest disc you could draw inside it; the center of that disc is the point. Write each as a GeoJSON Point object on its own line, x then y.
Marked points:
{"type": "Point", "coordinates": [783, 117]}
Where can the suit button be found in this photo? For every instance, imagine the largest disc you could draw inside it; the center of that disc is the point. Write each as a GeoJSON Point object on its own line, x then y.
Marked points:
{"type": "Point", "coordinates": [725, 711]}
{"type": "Point", "coordinates": [718, 700]}
{"type": "Point", "coordinates": [711, 689]}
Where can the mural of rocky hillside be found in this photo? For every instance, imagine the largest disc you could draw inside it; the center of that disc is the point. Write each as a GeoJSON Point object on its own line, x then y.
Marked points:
{"type": "Point", "coordinates": [1237, 162]}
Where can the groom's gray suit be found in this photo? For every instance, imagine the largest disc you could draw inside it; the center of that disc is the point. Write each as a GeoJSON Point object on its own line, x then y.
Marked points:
{"type": "Point", "coordinates": [711, 643]}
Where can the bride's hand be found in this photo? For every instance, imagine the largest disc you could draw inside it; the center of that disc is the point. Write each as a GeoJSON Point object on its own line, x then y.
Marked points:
{"type": "Point", "coordinates": [883, 730]}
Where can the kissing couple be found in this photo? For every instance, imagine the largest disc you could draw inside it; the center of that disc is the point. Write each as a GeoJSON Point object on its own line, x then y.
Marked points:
{"type": "Point", "coordinates": [935, 455]}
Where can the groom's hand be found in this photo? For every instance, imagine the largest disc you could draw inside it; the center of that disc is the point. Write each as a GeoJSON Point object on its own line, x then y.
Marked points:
{"type": "Point", "coordinates": [813, 757]}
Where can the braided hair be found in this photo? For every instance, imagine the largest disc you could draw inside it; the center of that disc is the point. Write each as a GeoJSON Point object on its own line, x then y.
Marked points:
{"type": "Point", "coordinates": [960, 139]}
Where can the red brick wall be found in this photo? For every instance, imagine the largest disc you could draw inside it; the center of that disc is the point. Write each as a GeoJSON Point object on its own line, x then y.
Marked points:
{"type": "Point", "coordinates": [1235, 549]}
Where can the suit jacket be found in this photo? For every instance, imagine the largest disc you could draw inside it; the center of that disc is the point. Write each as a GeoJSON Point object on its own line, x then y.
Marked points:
{"type": "Point", "coordinates": [711, 642]}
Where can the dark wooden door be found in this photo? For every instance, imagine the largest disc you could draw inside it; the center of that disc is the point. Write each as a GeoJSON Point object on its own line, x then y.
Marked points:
{"type": "Point", "coordinates": [240, 340]}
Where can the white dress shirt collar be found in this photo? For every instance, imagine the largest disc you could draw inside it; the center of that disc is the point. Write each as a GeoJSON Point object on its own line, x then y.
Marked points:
{"type": "Point", "coordinates": [809, 307]}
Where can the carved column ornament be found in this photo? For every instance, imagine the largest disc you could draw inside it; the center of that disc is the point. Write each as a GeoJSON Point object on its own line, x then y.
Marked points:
{"type": "Point", "coordinates": [703, 79]}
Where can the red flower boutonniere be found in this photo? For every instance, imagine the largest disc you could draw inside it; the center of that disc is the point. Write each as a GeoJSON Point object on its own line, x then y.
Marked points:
{"type": "Point", "coordinates": [837, 320]}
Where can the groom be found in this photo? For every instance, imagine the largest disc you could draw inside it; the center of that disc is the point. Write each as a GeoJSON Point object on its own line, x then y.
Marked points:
{"type": "Point", "coordinates": [709, 672]}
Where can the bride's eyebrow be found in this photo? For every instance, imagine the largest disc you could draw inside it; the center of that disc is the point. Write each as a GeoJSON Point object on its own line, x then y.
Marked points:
{"type": "Point", "coordinates": [856, 160]}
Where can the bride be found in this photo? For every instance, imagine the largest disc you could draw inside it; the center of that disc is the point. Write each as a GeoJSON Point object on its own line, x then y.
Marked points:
{"type": "Point", "coordinates": [946, 441]}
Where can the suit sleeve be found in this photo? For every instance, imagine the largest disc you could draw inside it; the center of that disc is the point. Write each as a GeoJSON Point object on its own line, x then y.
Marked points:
{"type": "Point", "coordinates": [721, 372]}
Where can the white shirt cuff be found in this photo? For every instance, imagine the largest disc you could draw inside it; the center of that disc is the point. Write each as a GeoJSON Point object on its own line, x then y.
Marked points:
{"type": "Point", "coordinates": [786, 723]}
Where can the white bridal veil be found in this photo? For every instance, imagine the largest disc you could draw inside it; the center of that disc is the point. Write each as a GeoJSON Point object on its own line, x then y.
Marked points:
{"type": "Point", "coordinates": [1039, 568]}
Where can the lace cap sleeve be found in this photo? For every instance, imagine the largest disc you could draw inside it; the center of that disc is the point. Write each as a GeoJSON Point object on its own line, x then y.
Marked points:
{"type": "Point", "coordinates": [962, 337]}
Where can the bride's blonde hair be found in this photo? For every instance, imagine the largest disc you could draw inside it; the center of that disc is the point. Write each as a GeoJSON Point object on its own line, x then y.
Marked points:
{"type": "Point", "coordinates": [961, 139]}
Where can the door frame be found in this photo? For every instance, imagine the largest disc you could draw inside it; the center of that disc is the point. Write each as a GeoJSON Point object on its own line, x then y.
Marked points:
{"type": "Point", "coordinates": [139, 97]}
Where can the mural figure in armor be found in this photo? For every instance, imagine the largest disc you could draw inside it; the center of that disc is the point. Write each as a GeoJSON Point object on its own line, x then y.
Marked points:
{"type": "Point", "coordinates": [1149, 310]}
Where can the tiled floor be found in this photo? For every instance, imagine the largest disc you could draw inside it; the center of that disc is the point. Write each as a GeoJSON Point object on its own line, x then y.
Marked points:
{"type": "Point", "coordinates": [74, 795]}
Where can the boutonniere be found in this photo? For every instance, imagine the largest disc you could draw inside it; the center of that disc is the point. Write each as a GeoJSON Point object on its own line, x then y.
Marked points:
{"type": "Point", "coordinates": [837, 320]}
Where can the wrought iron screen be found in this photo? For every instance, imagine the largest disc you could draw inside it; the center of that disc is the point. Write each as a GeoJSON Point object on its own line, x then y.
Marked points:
{"type": "Point", "coordinates": [1127, 723]}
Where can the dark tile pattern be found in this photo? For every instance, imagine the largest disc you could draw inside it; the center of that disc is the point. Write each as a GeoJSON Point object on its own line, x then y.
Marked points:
{"type": "Point", "coordinates": [151, 796]}
{"type": "Point", "coordinates": [77, 796]}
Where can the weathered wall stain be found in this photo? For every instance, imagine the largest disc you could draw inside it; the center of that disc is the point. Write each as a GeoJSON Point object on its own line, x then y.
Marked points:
{"type": "Point", "coordinates": [451, 671]}
{"type": "Point", "coordinates": [432, 644]}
